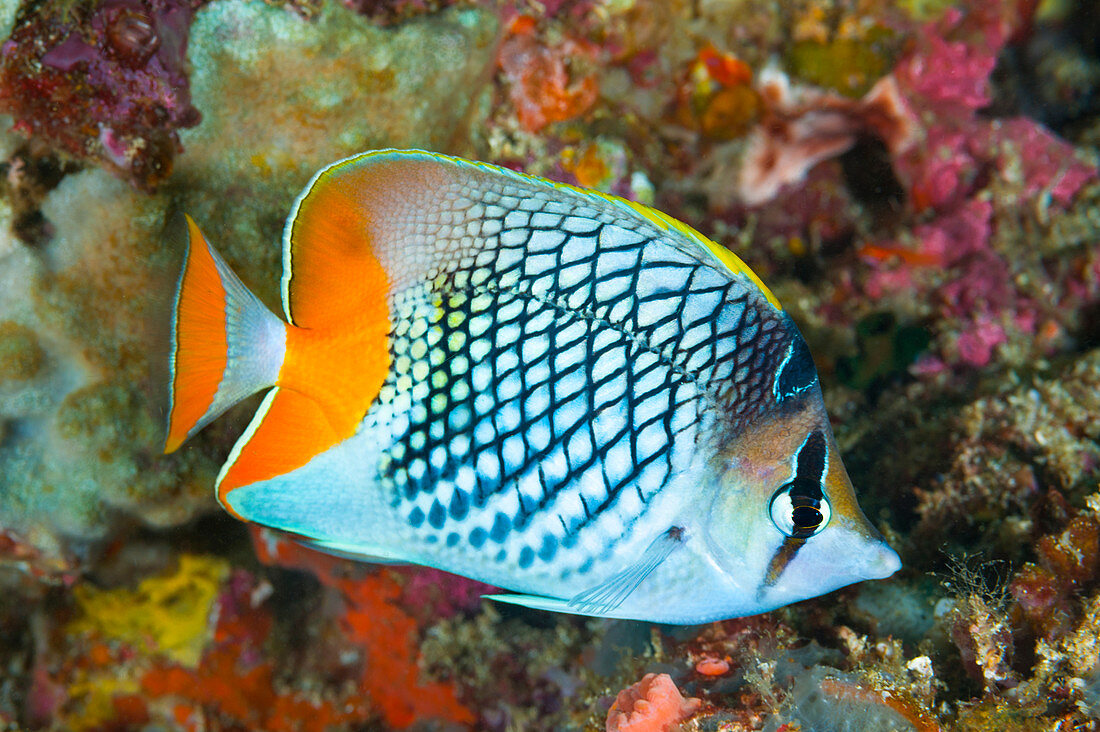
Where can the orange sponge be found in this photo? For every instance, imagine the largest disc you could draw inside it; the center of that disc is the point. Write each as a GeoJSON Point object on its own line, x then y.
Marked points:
{"type": "Point", "coordinates": [654, 704]}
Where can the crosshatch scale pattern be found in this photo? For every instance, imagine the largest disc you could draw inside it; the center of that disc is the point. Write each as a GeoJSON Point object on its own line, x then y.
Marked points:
{"type": "Point", "coordinates": [556, 369]}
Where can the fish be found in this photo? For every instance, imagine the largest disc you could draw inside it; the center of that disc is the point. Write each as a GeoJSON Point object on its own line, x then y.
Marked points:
{"type": "Point", "coordinates": [568, 395]}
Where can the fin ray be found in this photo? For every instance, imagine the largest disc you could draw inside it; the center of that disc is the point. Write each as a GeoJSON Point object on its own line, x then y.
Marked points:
{"type": "Point", "coordinates": [609, 595]}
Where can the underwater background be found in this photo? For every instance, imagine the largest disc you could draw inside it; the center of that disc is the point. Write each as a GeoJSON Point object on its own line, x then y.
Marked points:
{"type": "Point", "coordinates": [916, 180]}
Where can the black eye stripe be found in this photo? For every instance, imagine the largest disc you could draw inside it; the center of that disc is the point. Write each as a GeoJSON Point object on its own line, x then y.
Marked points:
{"type": "Point", "coordinates": [811, 460]}
{"type": "Point", "coordinates": [808, 506]}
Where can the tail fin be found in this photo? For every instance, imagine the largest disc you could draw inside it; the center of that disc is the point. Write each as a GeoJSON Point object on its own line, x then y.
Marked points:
{"type": "Point", "coordinates": [225, 344]}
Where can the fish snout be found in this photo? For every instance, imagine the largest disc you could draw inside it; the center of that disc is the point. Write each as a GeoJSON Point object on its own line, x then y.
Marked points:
{"type": "Point", "coordinates": [880, 561]}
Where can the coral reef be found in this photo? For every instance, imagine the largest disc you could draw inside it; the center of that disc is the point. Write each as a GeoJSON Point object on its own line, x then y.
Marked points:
{"type": "Point", "coordinates": [915, 179]}
{"type": "Point", "coordinates": [82, 434]}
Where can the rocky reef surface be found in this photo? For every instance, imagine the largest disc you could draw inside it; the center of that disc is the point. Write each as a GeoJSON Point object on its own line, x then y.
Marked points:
{"type": "Point", "coordinates": [916, 181]}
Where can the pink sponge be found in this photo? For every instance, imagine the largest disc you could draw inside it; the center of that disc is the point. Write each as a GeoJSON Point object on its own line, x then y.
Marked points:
{"type": "Point", "coordinates": [654, 704]}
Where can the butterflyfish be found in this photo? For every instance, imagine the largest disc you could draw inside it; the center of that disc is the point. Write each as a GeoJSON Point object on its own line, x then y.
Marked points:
{"type": "Point", "coordinates": [562, 393]}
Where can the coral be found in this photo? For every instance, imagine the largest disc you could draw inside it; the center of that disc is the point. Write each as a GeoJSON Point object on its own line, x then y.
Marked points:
{"type": "Point", "coordinates": [436, 594]}
{"type": "Point", "coordinates": [654, 704]}
{"type": "Point", "coordinates": [387, 12]}
{"type": "Point", "coordinates": [801, 127]}
{"type": "Point", "coordinates": [111, 88]}
{"type": "Point", "coordinates": [235, 683]}
{"type": "Point", "coordinates": [709, 666]}
{"type": "Point", "coordinates": [168, 613]}
{"type": "Point", "coordinates": [20, 353]}
{"type": "Point", "coordinates": [517, 676]}
{"type": "Point", "coordinates": [718, 97]}
{"type": "Point", "coordinates": [1012, 445]}
{"type": "Point", "coordinates": [932, 238]}
{"type": "Point", "coordinates": [8, 11]}
{"type": "Point", "coordinates": [1047, 591]}
{"type": "Point", "coordinates": [980, 629]}
{"type": "Point", "coordinates": [392, 676]}
{"type": "Point", "coordinates": [542, 88]}
{"type": "Point", "coordinates": [283, 96]}
{"type": "Point", "coordinates": [83, 434]}
{"type": "Point", "coordinates": [850, 61]}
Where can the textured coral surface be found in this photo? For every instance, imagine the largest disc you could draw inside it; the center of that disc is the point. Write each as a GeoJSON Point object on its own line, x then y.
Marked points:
{"type": "Point", "coordinates": [915, 179]}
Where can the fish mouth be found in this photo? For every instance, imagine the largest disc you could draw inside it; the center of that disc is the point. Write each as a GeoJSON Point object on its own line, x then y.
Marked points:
{"type": "Point", "coordinates": [882, 561]}
{"type": "Point", "coordinates": [802, 569]}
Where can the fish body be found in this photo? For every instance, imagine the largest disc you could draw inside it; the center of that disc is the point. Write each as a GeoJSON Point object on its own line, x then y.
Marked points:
{"type": "Point", "coordinates": [554, 391]}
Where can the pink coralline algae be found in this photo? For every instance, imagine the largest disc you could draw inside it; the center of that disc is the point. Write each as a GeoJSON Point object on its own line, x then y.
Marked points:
{"type": "Point", "coordinates": [950, 80]}
{"type": "Point", "coordinates": [966, 163]}
{"type": "Point", "coordinates": [654, 704]}
{"type": "Point", "coordinates": [112, 88]}
{"type": "Point", "coordinates": [441, 594]}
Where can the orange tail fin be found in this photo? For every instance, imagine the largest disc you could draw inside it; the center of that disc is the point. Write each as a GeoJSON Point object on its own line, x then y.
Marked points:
{"type": "Point", "coordinates": [225, 344]}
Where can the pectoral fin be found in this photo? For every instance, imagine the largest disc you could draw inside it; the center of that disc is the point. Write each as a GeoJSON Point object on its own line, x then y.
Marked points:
{"type": "Point", "coordinates": [606, 598]}
{"type": "Point", "coordinates": [609, 595]}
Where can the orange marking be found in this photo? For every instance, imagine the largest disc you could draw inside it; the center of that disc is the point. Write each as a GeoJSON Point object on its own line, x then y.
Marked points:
{"type": "Point", "coordinates": [338, 297]}
{"type": "Point", "coordinates": [910, 257]}
{"type": "Point", "coordinates": [201, 348]}
{"type": "Point", "coordinates": [293, 430]}
{"type": "Point", "coordinates": [337, 351]}
{"type": "Point", "coordinates": [342, 369]}
{"type": "Point", "coordinates": [335, 275]}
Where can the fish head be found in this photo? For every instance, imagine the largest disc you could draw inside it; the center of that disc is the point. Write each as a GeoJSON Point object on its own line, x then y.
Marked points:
{"type": "Point", "coordinates": [784, 524]}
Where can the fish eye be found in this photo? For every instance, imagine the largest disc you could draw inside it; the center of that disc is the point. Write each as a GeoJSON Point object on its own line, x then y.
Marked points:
{"type": "Point", "coordinates": [799, 509]}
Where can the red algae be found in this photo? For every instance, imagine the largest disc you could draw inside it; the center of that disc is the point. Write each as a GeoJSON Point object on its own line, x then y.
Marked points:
{"type": "Point", "coordinates": [1068, 563]}
{"type": "Point", "coordinates": [543, 88]}
{"type": "Point", "coordinates": [112, 89]}
{"type": "Point", "coordinates": [374, 622]}
{"type": "Point", "coordinates": [236, 683]}
{"type": "Point", "coordinates": [392, 675]}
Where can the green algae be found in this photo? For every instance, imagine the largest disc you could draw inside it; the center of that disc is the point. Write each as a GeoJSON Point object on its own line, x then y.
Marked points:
{"type": "Point", "coordinates": [850, 66]}
{"type": "Point", "coordinates": [21, 356]}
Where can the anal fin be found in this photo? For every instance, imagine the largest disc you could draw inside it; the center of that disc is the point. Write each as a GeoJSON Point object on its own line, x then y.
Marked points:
{"type": "Point", "coordinates": [288, 430]}
{"type": "Point", "coordinates": [344, 551]}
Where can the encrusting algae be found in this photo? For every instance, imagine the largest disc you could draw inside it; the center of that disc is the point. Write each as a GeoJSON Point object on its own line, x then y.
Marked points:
{"type": "Point", "coordinates": [929, 220]}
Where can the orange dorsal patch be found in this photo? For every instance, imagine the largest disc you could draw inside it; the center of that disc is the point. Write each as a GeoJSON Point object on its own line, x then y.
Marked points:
{"type": "Point", "coordinates": [333, 272]}
{"type": "Point", "coordinates": [200, 323]}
